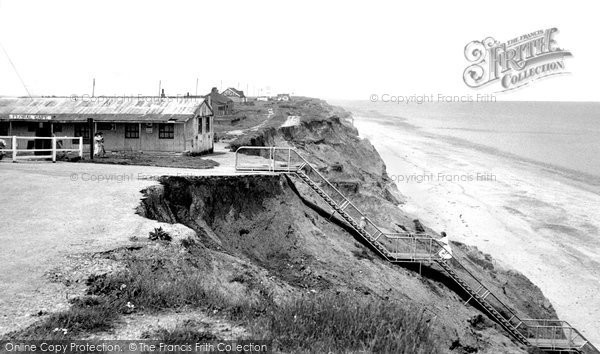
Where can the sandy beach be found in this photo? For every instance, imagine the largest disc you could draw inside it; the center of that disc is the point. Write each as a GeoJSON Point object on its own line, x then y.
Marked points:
{"type": "Point", "coordinates": [528, 218]}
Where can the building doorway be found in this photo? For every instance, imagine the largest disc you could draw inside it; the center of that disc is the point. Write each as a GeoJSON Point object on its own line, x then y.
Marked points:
{"type": "Point", "coordinates": [44, 129]}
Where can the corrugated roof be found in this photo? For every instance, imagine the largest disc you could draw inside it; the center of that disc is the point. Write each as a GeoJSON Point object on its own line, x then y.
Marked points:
{"type": "Point", "coordinates": [100, 108]}
{"type": "Point", "coordinates": [217, 98]}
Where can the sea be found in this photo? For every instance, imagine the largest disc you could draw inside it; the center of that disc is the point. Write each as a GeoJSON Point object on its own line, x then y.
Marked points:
{"type": "Point", "coordinates": [560, 135]}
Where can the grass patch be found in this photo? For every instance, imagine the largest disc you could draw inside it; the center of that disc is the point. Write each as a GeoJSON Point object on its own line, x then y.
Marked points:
{"type": "Point", "coordinates": [159, 160]}
{"type": "Point", "coordinates": [363, 253]}
{"type": "Point", "coordinates": [86, 315]}
{"type": "Point", "coordinates": [156, 284]}
{"type": "Point", "coordinates": [340, 323]}
{"type": "Point", "coordinates": [157, 280]}
{"type": "Point", "coordinates": [184, 332]}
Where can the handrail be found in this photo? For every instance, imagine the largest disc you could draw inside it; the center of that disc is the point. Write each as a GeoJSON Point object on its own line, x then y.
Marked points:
{"type": "Point", "coordinates": [529, 331]}
{"type": "Point", "coordinates": [504, 307]}
{"type": "Point", "coordinates": [290, 149]}
{"type": "Point", "coordinates": [429, 238]}
{"type": "Point", "coordinates": [367, 219]}
{"type": "Point", "coordinates": [479, 284]}
{"type": "Point", "coordinates": [574, 337]}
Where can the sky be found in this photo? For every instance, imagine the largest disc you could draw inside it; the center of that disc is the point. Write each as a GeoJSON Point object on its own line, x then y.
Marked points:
{"type": "Point", "coordinates": [332, 50]}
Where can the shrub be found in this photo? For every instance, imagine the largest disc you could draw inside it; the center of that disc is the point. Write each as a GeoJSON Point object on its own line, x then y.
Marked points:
{"type": "Point", "coordinates": [188, 243]}
{"type": "Point", "coordinates": [362, 254]}
{"type": "Point", "coordinates": [159, 234]}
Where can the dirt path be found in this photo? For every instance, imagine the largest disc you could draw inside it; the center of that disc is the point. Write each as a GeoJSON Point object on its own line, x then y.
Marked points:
{"type": "Point", "coordinates": [255, 128]}
{"type": "Point", "coordinates": [51, 212]}
{"type": "Point", "coordinates": [291, 121]}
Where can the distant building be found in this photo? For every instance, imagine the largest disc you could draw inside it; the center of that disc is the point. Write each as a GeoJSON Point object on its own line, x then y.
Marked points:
{"type": "Point", "coordinates": [170, 124]}
{"type": "Point", "coordinates": [235, 95]}
{"type": "Point", "coordinates": [221, 104]}
{"type": "Point", "coordinates": [283, 97]}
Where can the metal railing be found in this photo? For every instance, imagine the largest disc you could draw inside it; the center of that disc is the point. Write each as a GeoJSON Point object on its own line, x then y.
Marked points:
{"type": "Point", "coordinates": [555, 335]}
{"type": "Point", "coordinates": [287, 159]}
{"type": "Point", "coordinates": [480, 292]}
{"type": "Point", "coordinates": [407, 247]}
{"type": "Point", "coordinates": [268, 159]}
{"type": "Point", "coordinates": [57, 146]}
{"type": "Point", "coordinates": [546, 334]}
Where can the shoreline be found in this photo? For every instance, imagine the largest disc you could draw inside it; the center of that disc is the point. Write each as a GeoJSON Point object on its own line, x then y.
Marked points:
{"type": "Point", "coordinates": [535, 221]}
{"type": "Point", "coordinates": [579, 179]}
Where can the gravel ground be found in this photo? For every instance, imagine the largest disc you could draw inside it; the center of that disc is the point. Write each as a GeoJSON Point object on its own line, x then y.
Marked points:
{"type": "Point", "coordinates": [55, 214]}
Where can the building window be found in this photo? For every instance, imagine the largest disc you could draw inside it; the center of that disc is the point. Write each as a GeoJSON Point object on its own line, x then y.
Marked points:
{"type": "Point", "coordinates": [132, 131]}
{"type": "Point", "coordinates": [82, 130]}
{"type": "Point", "coordinates": [166, 131]}
{"type": "Point", "coordinates": [207, 125]}
{"type": "Point", "coordinates": [31, 127]}
{"type": "Point", "coordinates": [57, 128]}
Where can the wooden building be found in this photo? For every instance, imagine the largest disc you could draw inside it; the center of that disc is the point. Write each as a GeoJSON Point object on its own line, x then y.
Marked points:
{"type": "Point", "coordinates": [235, 95]}
{"type": "Point", "coordinates": [221, 104]}
{"type": "Point", "coordinates": [153, 124]}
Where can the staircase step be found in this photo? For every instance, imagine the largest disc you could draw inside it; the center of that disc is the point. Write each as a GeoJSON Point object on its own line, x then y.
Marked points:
{"type": "Point", "coordinates": [382, 249]}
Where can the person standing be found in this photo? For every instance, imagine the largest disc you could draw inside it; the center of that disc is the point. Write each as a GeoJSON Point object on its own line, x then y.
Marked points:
{"type": "Point", "coordinates": [99, 145]}
{"type": "Point", "coordinates": [2, 147]}
{"type": "Point", "coordinates": [363, 222]}
{"type": "Point", "coordinates": [446, 251]}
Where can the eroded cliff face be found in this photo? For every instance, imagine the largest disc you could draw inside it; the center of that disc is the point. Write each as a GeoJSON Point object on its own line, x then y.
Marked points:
{"type": "Point", "coordinates": [266, 224]}
{"type": "Point", "coordinates": [277, 225]}
{"type": "Point", "coordinates": [326, 139]}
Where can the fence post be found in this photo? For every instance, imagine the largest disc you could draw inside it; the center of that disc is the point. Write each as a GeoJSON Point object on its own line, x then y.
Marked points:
{"type": "Point", "coordinates": [14, 148]}
{"type": "Point", "coordinates": [236, 159]}
{"type": "Point", "coordinates": [53, 149]}
{"type": "Point", "coordinates": [80, 147]}
{"type": "Point", "coordinates": [91, 127]}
